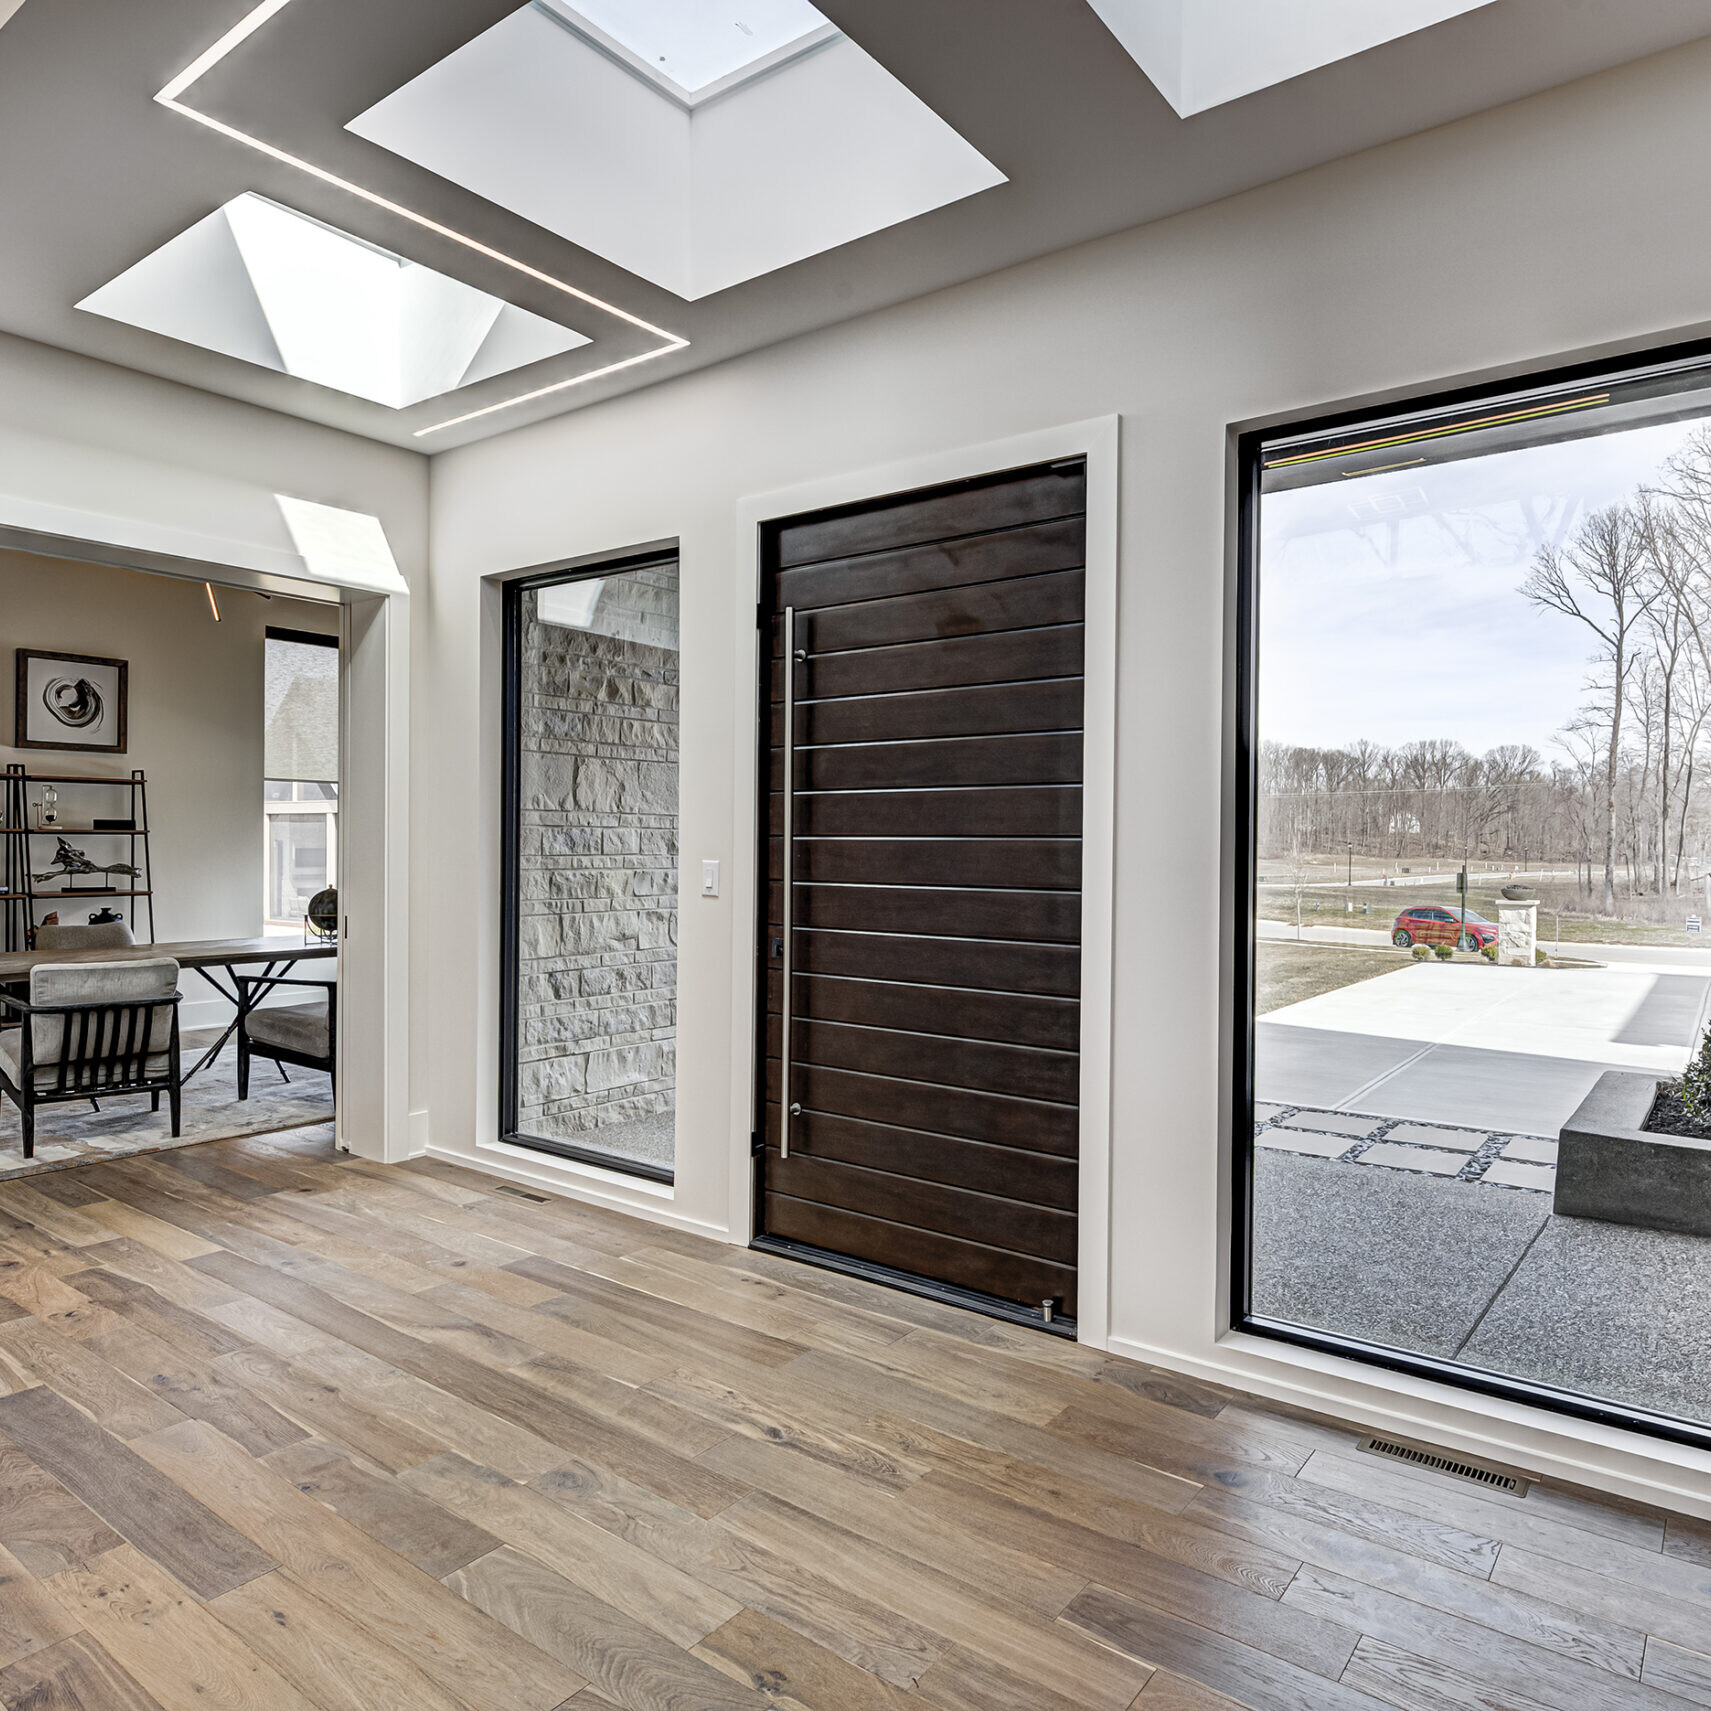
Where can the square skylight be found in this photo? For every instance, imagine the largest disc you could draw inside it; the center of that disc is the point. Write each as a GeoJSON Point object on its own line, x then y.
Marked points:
{"type": "Point", "coordinates": [699, 45]}
{"type": "Point", "coordinates": [1202, 53]}
{"type": "Point", "coordinates": [263, 283]}
{"type": "Point", "coordinates": [696, 143]}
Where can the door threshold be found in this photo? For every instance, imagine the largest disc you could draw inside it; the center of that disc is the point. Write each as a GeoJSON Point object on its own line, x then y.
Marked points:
{"type": "Point", "coordinates": [946, 1294]}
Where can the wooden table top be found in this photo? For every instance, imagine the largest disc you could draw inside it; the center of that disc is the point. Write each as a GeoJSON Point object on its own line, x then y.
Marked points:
{"type": "Point", "coordinates": [187, 953]}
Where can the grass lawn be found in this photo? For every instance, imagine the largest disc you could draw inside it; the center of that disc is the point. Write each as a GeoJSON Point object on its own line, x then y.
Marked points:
{"type": "Point", "coordinates": [1276, 904]}
{"type": "Point", "coordinates": [1288, 973]}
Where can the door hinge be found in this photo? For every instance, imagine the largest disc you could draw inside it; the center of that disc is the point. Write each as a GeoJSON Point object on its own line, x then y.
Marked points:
{"type": "Point", "coordinates": [757, 1145]}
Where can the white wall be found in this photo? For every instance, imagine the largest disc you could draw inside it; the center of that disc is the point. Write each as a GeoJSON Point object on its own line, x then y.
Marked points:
{"type": "Point", "coordinates": [101, 453]}
{"type": "Point", "coordinates": [1563, 225]}
{"type": "Point", "coordinates": [195, 728]}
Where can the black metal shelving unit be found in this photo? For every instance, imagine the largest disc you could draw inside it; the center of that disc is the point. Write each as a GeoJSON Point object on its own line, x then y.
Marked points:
{"type": "Point", "coordinates": [30, 847]}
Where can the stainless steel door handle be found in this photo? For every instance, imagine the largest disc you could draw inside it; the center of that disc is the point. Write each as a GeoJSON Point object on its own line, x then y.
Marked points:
{"type": "Point", "coordinates": [788, 1112]}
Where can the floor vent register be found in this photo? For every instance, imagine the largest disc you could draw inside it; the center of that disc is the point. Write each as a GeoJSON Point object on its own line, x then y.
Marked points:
{"type": "Point", "coordinates": [1436, 1461]}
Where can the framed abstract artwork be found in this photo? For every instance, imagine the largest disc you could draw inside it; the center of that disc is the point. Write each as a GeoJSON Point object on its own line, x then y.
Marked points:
{"type": "Point", "coordinates": [71, 701]}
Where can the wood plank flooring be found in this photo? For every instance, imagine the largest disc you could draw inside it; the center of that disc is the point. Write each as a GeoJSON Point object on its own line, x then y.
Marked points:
{"type": "Point", "coordinates": [285, 1431]}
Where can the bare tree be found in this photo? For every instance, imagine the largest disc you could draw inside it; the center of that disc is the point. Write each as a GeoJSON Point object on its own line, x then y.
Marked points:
{"type": "Point", "coordinates": [1600, 579]}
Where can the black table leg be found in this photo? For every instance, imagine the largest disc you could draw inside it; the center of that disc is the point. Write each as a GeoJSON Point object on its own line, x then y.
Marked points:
{"type": "Point", "coordinates": [235, 998]}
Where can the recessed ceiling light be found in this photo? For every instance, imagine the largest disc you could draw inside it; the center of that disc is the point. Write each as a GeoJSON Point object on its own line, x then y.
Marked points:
{"type": "Point", "coordinates": [268, 285]}
{"type": "Point", "coordinates": [1202, 53]}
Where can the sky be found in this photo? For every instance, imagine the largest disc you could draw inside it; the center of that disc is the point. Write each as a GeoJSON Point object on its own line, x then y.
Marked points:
{"type": "Point", "coordinates": [1390, 607]}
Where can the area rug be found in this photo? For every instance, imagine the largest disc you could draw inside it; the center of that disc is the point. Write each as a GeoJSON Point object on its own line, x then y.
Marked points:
{"type": "Point", "coordinates": [68, 1135]}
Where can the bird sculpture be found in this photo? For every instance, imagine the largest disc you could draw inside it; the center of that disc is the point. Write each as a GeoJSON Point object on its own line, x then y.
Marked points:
{"type": "Point", "coordinates": [68, 862]}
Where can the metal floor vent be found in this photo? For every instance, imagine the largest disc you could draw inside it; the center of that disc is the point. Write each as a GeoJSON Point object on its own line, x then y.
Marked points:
{"type": "Point", "coordinates": [521, 1193]}
{"type": "Point", "coordinates": [1435, 1461]}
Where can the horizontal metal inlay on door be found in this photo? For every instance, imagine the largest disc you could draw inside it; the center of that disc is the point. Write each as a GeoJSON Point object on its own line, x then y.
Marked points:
{"type": "Point", "coordinates": [1000, 864]}
{"type": "Point", "coordinates": [1053, 704]}
{"type": "Point", "coordinates": [1025, 550]}
{"type": "Point", "coordinates": [959, 662]}
{"type": "Point", "coordinates": [971, 1265]}
{"type": "Point", "coordinates": [971, 511]}
{"type": "Point", "coordinates": [1021, 1072]}
{"type": "Point", "coordinates": [1021, 810]}
{"type": "Point", "coordinates": [945, 763]}
{"type": "Point", "coordinates": [1003, 1017]}
{"type": "Point", "coordinates": [983, 966]}
{"type": "Point", "coordinates": [1045, 1179]}
{"type": "Point", "coordinates": [1039, 1231]}
{"type": "Point", "coordinates": [1038, 1125]}
{"type": "Point", "coordinates": [988, 608]}
{"type": "Point", "coordinates": [1051, 917]}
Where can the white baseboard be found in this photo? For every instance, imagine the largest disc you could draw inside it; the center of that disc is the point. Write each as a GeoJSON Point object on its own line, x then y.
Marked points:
{"type": "Point", "coordinates": [570, 1180]}
{"type": "Point", "coordinates": [1605, 1458]}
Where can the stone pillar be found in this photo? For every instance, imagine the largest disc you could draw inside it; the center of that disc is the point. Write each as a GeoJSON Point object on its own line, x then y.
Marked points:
{"type": "Point", "coordinates": [1517, 934]}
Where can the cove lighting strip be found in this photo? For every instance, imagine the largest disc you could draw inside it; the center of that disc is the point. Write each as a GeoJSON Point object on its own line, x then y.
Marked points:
{"type": "Point", "coordinates": [246, 27]}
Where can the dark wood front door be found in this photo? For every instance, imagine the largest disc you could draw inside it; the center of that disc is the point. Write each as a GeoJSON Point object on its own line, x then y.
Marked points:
{"type": "Point", "coordinates": [925, 672]}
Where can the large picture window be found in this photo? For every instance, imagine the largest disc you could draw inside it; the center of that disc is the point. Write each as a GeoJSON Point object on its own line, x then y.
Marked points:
{"type": "Point", "coordinates": [589, 1018]}
{"type": "Point", "coordinates": [1474, 1114]}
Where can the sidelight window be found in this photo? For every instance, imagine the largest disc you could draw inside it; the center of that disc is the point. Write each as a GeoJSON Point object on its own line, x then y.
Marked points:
{"type": "Point", "coordinates": [589, 1048]}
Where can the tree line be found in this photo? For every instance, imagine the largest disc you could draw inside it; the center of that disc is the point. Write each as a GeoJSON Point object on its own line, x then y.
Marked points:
{"type": "Point", "coordinates": [1621, 793]}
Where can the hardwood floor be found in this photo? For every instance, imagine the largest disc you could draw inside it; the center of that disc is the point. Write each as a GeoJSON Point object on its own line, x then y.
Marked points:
{"type": "Point", "coordinates": [285, 1430]}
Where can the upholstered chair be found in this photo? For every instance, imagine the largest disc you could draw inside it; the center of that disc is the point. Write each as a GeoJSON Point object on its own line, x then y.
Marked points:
{"type": "Point", "coordinates": [301, 1034]}
{"type": "Point", "coordinates": [92, 1030]}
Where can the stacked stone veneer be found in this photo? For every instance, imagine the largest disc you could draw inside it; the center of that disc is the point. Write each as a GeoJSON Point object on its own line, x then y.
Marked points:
{"type": "Point", "coordinates": [597, 924]}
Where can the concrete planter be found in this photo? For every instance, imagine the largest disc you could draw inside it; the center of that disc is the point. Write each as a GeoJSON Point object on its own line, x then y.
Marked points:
{"type": "Point", "coordinates": [1610, 1167]}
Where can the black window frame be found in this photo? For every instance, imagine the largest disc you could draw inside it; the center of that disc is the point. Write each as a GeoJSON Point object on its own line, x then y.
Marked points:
{"type": "Point", "coordinates": [510, 856]}
{"type": "Point", "coordinates": [1642, 365]}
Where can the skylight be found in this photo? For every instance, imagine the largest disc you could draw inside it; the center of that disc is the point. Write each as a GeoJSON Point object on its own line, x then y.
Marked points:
{"type": "Point", "coordinates": [799, 142]}
{"type": "Point", "coordinates": [696, 44]}
{"type": "Point", "coordinates": [260, 282]}
{"type": "Point", "coordinates": [1202, 53]}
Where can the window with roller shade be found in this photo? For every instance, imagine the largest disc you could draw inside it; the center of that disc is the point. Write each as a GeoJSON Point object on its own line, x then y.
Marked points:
{"type": "Point", "coordinates": [301, 792]}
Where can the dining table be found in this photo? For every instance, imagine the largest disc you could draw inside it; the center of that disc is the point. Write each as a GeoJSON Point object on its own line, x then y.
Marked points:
{"type": "Point", "coordinates": [208, 957]}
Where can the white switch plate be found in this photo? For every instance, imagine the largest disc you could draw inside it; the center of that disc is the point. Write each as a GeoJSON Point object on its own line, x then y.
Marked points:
{"type": "Point", "coordinates": [709, 879]}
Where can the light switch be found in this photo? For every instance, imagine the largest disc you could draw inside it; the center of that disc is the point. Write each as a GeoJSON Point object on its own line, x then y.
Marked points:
{"type": "Point", "coordinates": [709, 879]}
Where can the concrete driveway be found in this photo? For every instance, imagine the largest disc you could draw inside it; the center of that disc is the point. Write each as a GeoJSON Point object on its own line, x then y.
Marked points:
{"type": "Point", "coordinates": [1512, 1049]}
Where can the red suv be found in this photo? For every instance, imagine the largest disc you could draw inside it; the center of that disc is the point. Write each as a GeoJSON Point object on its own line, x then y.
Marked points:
{"type": "Point", "coordinates": [1429, 925]}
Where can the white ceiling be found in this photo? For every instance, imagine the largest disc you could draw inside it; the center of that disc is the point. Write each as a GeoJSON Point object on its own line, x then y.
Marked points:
{"type": "Point", "coordinates": [95, 174]}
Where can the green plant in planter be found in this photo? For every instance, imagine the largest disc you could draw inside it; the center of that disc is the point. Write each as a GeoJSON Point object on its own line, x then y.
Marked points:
{"type": "Point", "coordinates": [1422, 953]}
{"type": "Point", "coordinates": [1445, 952]}
{"type": "Point", "coordinates": [1696, 1084]}
{"type": "Point", "coordinates": [1489, 952]}
{"type": "Point", "coordinates": [1540, 959]}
